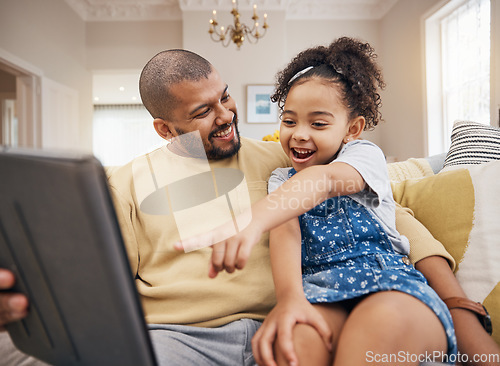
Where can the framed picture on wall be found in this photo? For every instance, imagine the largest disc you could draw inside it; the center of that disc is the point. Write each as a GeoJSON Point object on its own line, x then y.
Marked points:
{"type": "Point", "coordinates": [260, 109]}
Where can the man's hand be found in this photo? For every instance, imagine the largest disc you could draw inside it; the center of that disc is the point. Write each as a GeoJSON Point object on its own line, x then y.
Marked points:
{"type": "Point", "coordinates": [13, 306]}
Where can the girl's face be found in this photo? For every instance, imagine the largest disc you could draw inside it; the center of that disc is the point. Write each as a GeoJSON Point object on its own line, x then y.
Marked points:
{"type": "Point", "coordinates": [314, 123]}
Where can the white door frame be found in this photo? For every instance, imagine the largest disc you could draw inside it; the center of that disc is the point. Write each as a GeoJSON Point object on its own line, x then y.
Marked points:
{"type": "Point", "coordinates": [28, 98]}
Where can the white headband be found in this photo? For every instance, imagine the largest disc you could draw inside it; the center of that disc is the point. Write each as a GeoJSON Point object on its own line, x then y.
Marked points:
{"type": "Point", "coordinates": [302, 72]}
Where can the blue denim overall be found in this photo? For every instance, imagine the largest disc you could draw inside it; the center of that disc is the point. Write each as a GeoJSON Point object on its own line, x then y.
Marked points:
{"type": "Point", "coordinates": [346, 253]}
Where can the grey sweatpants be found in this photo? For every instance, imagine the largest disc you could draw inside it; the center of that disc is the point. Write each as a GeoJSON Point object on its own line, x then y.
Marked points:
{"type": "Point", "coordinates": [11, 356]}
{"type": "Point", "coordinates": [229, 345]}
{"type": "Point", "coordinates": [175, 345]}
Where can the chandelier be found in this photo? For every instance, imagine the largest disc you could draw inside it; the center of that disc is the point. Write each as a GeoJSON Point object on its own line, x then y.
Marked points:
{"type": "Point", "coordinates": [237, 31]}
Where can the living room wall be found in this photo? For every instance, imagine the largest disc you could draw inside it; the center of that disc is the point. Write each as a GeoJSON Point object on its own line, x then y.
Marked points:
{"type": "Point", "coordinates": [129, 45]}
{"type": "Point", "coordinates": [50, 36]}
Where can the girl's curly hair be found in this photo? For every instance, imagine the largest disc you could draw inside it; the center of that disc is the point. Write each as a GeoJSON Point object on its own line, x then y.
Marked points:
{"type": "Point", "coordinates": [347, 63]}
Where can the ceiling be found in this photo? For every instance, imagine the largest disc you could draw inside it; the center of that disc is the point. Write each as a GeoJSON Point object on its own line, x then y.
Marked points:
{"type": "Point", "coordinates": [116, 88]}
{"type": "Point", "coordinates": [124, 10]}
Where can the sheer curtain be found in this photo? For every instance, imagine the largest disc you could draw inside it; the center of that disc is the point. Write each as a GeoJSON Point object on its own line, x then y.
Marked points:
{"type": "Point", "coordinates": [122, 132]}
{"type": "Point", "coordinates": [465, 38]}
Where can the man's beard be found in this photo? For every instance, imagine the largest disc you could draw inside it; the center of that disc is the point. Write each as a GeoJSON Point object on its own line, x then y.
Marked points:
{"type": "Point", "coordinates": [213, 152]}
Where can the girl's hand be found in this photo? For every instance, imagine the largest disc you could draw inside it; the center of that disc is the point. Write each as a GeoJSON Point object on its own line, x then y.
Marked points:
{"type": "Point", "coordinates": [233, 253]}
{"type": "Point", "coordinates": [278, 327]}
{"type": "Point", "coordinates": [229, 251]}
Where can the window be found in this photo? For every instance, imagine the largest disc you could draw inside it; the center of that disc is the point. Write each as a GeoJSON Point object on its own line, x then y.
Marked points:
{"type": "Point", "coordinates": [457, 68]}
{"type": "Point", "coordinates": [123, 132]}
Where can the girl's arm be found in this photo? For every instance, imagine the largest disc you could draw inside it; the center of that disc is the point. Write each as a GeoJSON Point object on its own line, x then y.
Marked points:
{"type": "Point", "coordinates": [299, 194]}
{"type": "Point", "coordinates": [307, 189]}
{"type": "Point", "coordinates": [285, 253]}
{"type": "Point", "coordinates": [292, 306]}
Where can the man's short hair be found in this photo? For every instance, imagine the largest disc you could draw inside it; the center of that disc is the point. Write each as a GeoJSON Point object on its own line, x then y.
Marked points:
{"type": "Point", "coordinates": [164, 70]}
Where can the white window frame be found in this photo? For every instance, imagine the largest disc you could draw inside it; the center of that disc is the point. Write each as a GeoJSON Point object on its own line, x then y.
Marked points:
{"type": "Point", "coordinates": [437, 136]}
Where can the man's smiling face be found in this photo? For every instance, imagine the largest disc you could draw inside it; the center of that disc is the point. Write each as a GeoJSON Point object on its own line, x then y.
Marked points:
{"type": "Point", "coordinates": [206, 106]}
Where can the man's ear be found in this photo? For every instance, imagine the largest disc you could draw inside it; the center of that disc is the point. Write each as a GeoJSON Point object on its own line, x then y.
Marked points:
{"type": "Point", "coordinates": [163, 128]}
{"type": "Point", "coordinates": [356, 127]}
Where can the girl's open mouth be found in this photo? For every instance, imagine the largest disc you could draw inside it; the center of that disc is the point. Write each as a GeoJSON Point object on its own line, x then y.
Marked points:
{"type": "Point", "coordinates": [301, 155]}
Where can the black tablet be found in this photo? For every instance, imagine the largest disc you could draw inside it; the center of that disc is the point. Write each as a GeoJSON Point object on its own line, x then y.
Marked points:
{"type": "Point", "coordinates": [60, 236]}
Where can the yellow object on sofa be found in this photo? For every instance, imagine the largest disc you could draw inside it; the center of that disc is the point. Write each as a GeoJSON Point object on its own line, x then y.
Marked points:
{"type": "Point", "coordinates": [274, 137]}
{"type": "Point", "coordinates": [461, 209]}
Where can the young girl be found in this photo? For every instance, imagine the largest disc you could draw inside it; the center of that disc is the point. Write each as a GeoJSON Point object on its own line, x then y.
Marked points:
{"type": "Point", "coordinates": [346, 291]}
{"type": "Point", "coordinates": [351, 257]}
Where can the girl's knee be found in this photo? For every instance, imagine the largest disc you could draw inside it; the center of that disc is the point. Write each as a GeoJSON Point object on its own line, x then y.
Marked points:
{"type": "Point", "coordinates": [395, 318]}
{"type": "Point", "coordinates": [385, 313]}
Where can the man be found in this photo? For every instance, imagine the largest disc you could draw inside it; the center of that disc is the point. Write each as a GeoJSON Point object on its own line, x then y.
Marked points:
{"type": "Point", "coordinates": [186, 96]}
{"type": "Point", "coordinates": [194, 320]}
